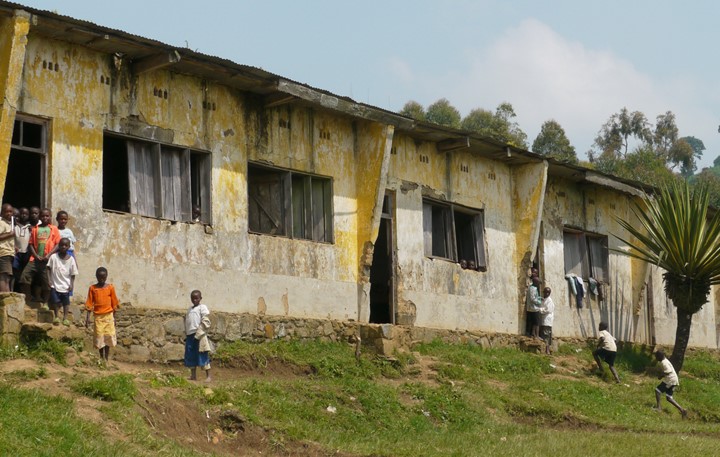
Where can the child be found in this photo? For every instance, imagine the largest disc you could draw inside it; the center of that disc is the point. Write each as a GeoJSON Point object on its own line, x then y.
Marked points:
{"type": "Point", "coordinates": [43, 243]}
{"type": "Point", "coordinates": [668, 384]}
{"type": "Point", "coordinates": [606, 350]}
{"type": "Point", "coordinates": [197, 344]}
{"type": "Point", "coordinates": [22, 237]}
{"type": "Point", "coordinates": [546, 319]}
{"type": "Point", "coordinates": [7, 247]}
{"type": "Point", "coordinates": [65, 232]}
{"type": "Point", "coordinates": [102, 302]}
{"type": "Point", "coordinates": [533, 302]}
{"type": "Point", "coordinates": [61, 271]}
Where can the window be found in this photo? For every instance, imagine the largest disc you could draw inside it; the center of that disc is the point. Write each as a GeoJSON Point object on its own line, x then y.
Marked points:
{"type": "Point", "coordinates": [156, 180]}
{"type": "Point", "coordinates": [291, 204]}
{"type": "Point", "coordinates": [586, 255]}
{"type": "Point", "coordinates": [26, 172]}
{"type": "Point", "coordinates": [455, 233]}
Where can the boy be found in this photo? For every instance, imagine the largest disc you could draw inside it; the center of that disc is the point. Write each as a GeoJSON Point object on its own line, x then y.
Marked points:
{"type": "Point", "coordinates": [22, 237]}
{"type": "Point", "coordinates": [61, 271]}
{"type": "Point", "coordinates": [102, 301]}
{"type": "Point", "coordinates": [668, 384]}
{"type": "Point", "coordinates": [197, 344]}
{"type": "Point", "coordinates": [533, 303]}
{"type": "Point", "coordinates": [546, 318]}
{"type": "Point", "coordinates": [606, 350]}
{"type": "Point", "coordinates": [42, 244]}
{"type": "Point", "coordinates": [65, 232]}
{"type": "Point", "coordinates": [7, 246]}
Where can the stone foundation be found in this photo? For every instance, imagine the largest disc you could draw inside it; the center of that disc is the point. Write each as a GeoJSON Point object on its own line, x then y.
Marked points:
{"type": "Point", "coordinates": [158, 335]}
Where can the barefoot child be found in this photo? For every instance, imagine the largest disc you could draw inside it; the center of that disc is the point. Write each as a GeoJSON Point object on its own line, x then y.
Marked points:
{"type": "Point", "coordinates": [103, 302]}
{"type": "Point", "coordinates": [197, 344]}
{"type": "Point", "coordinates": [61, 272]}
{"type": "Point", "coordinates": [668, 384]}
{"type": "Point", "coordinates": [606, 350]}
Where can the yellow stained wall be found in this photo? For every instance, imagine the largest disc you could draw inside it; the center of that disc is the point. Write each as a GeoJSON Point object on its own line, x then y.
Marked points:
{"type": "Point", "coordinates": [437, 292]}
{"type": "Point", "coordinates": [156, 263]}
{"type": "Point", "coordinates": [13, 39]}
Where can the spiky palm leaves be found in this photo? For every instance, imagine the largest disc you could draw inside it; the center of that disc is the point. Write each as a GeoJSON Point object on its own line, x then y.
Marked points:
{"type": "Point", "coordinates": [673, 232]}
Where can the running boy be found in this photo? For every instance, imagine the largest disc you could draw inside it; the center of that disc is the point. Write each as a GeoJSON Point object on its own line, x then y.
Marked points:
{"type": "Point", "coordinates": [606, 350]}
{"type": "Point", "coordinates": [102, 302]}
{"type": "Point", "coordinates": [61, 271]}
{"type": "Point", "coordinates": [668, 384]}
{"type": "Point", "coordinates": [197, 344]}
{"type": "Point", "coordinates": [546, 319]}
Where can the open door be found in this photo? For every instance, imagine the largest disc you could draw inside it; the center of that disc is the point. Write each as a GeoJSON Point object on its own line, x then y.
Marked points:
{"type": "Point", "coordinates": [382, 277]}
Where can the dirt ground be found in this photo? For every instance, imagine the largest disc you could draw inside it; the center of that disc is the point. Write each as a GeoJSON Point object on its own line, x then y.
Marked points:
{"type": "Point", "coordinates": [219, 430]}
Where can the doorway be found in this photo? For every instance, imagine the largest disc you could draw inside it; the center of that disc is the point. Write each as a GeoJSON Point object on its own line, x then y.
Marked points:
{"type": "Point", "coordinates": [382, 278]}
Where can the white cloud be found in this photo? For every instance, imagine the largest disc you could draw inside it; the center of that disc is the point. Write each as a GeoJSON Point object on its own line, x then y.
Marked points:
{"type": "Point", "coordinates": [545, 75]}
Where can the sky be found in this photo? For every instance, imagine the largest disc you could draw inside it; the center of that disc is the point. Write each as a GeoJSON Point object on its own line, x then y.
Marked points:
{"type": "Point", "coordinates": [576, 62]}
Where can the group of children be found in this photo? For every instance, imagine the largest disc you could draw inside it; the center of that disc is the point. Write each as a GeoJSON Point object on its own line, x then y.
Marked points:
{"type": "Point", "coordinates": [540, 312]}
{"type": "Point", "coordinates": [36, 256]}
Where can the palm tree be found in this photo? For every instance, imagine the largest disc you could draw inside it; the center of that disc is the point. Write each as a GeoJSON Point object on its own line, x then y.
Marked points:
{"type": "Point", "coordinates": [675, 234]}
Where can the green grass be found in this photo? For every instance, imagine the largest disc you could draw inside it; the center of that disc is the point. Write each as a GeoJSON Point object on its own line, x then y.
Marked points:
{"type": "Point", "coordinates": [116, 387]}
{"type": "Point", "coordinates": [475, 402]}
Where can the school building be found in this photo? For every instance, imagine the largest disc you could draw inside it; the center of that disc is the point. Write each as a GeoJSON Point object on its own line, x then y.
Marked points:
{"type": "Point", "coordinates": [312, 205]}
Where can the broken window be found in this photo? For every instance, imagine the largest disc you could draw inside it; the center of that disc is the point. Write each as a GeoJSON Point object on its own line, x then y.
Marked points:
{"type": "Point", "coordinates": [156, 180]}
{"type": "Point", "coordinates": [455, 233]}
{"type": "Point", "coordinates": [26, 173]}
{"type": "Point", "coordinates": [586, 255]}
{"type": "Point", "coordinates": [288, 203]}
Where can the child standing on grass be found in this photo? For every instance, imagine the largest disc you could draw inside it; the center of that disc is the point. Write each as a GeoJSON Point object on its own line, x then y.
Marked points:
{"type": "Point", "coordinates": [61, 272]}
{"type": "Point", "coordinates": [546, 319]}
{"type": "Point", "coordinates": [102, 302]}
{"type": "Point", "coordinates": [197, 344]}
{"type": "Point", "coordinates": [669, 382]}
{"type": "Point", "coordinates": [606, 350]}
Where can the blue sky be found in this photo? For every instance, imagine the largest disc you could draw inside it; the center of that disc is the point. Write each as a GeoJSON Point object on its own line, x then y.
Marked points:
{"type": "Point", "coordinates": [573, 61]}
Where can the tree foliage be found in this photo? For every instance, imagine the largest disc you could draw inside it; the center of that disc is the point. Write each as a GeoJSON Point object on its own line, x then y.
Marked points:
{"type": "Point", "coordinates": [552, 142]}
{"type": "Point", "coordinates": [414, 110]}
{"type": "Point", "coordinates": [500, 126]}
{"type": "Point", "coordinates": [443, 113]}
{"type": "Point", "coordinates": [672, 230]}
{"type": "Point", "coordinates": [658, 146]}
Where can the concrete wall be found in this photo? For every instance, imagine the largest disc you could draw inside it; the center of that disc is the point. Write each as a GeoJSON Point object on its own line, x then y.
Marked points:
{"type": "Point", "coordinates": [155, 263]}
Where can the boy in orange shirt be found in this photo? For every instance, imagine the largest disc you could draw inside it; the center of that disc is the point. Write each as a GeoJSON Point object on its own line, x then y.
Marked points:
{"type": "Point", "coordinates": [44, 239]}
{"type": "Point", "coordinates": [102, 301]}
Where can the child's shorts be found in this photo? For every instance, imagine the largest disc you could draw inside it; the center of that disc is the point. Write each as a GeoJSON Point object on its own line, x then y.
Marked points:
{"type": "Point", "coordinates": [59, 297]}
{"type": "Point", "coordinates": [607, 356]}
{"type": "Point", "coordinates": [665, 389]}
{"type": "Point", "coordinates": [546, 332]}
{"type": "Point", "coordinates": [6, 263]}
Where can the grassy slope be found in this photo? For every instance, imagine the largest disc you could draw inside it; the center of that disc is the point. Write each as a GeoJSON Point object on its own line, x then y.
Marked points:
{"type": "Point", "coordinates": [443, 400]}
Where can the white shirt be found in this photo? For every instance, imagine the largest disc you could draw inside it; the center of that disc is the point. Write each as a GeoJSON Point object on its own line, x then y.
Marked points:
{"type": "Point", "coordinates": [22, 237]}
{"type": "Point", "coordinates": [671, 378]}
{"type": "Point", "coordinates": [607, 341]}
{"type": "Point", "coordinates": [194, 317]}
{"type": "Point", "coordinates": [547, 313]}
{"type": "Point", "coordinates": [61, 272]}
{"type": "Point", "coordinates": [67, 233]}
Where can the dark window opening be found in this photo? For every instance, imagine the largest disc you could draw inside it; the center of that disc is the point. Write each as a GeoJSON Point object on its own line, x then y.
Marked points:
{"type": "Point", "coordinates": [288, 203]}
{"type": "Point", "coordinates": [454, 233]}
{"type": "Point", "coordinates": [155, 180]}
{"type": "Point", "coordinates": [26, 177]}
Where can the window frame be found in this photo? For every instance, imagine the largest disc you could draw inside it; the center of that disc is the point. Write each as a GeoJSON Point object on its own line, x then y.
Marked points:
{"type": "Point", "coordinates": [298, 193]}
{"type": "Point", "coordinates": [448, 214]}
{"type": "Point", "coordinates": [589, 244]}
{"type": "Point", "coordinates": [42, 151]}
{"type": "Point", "coordinates": [169, 173]}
